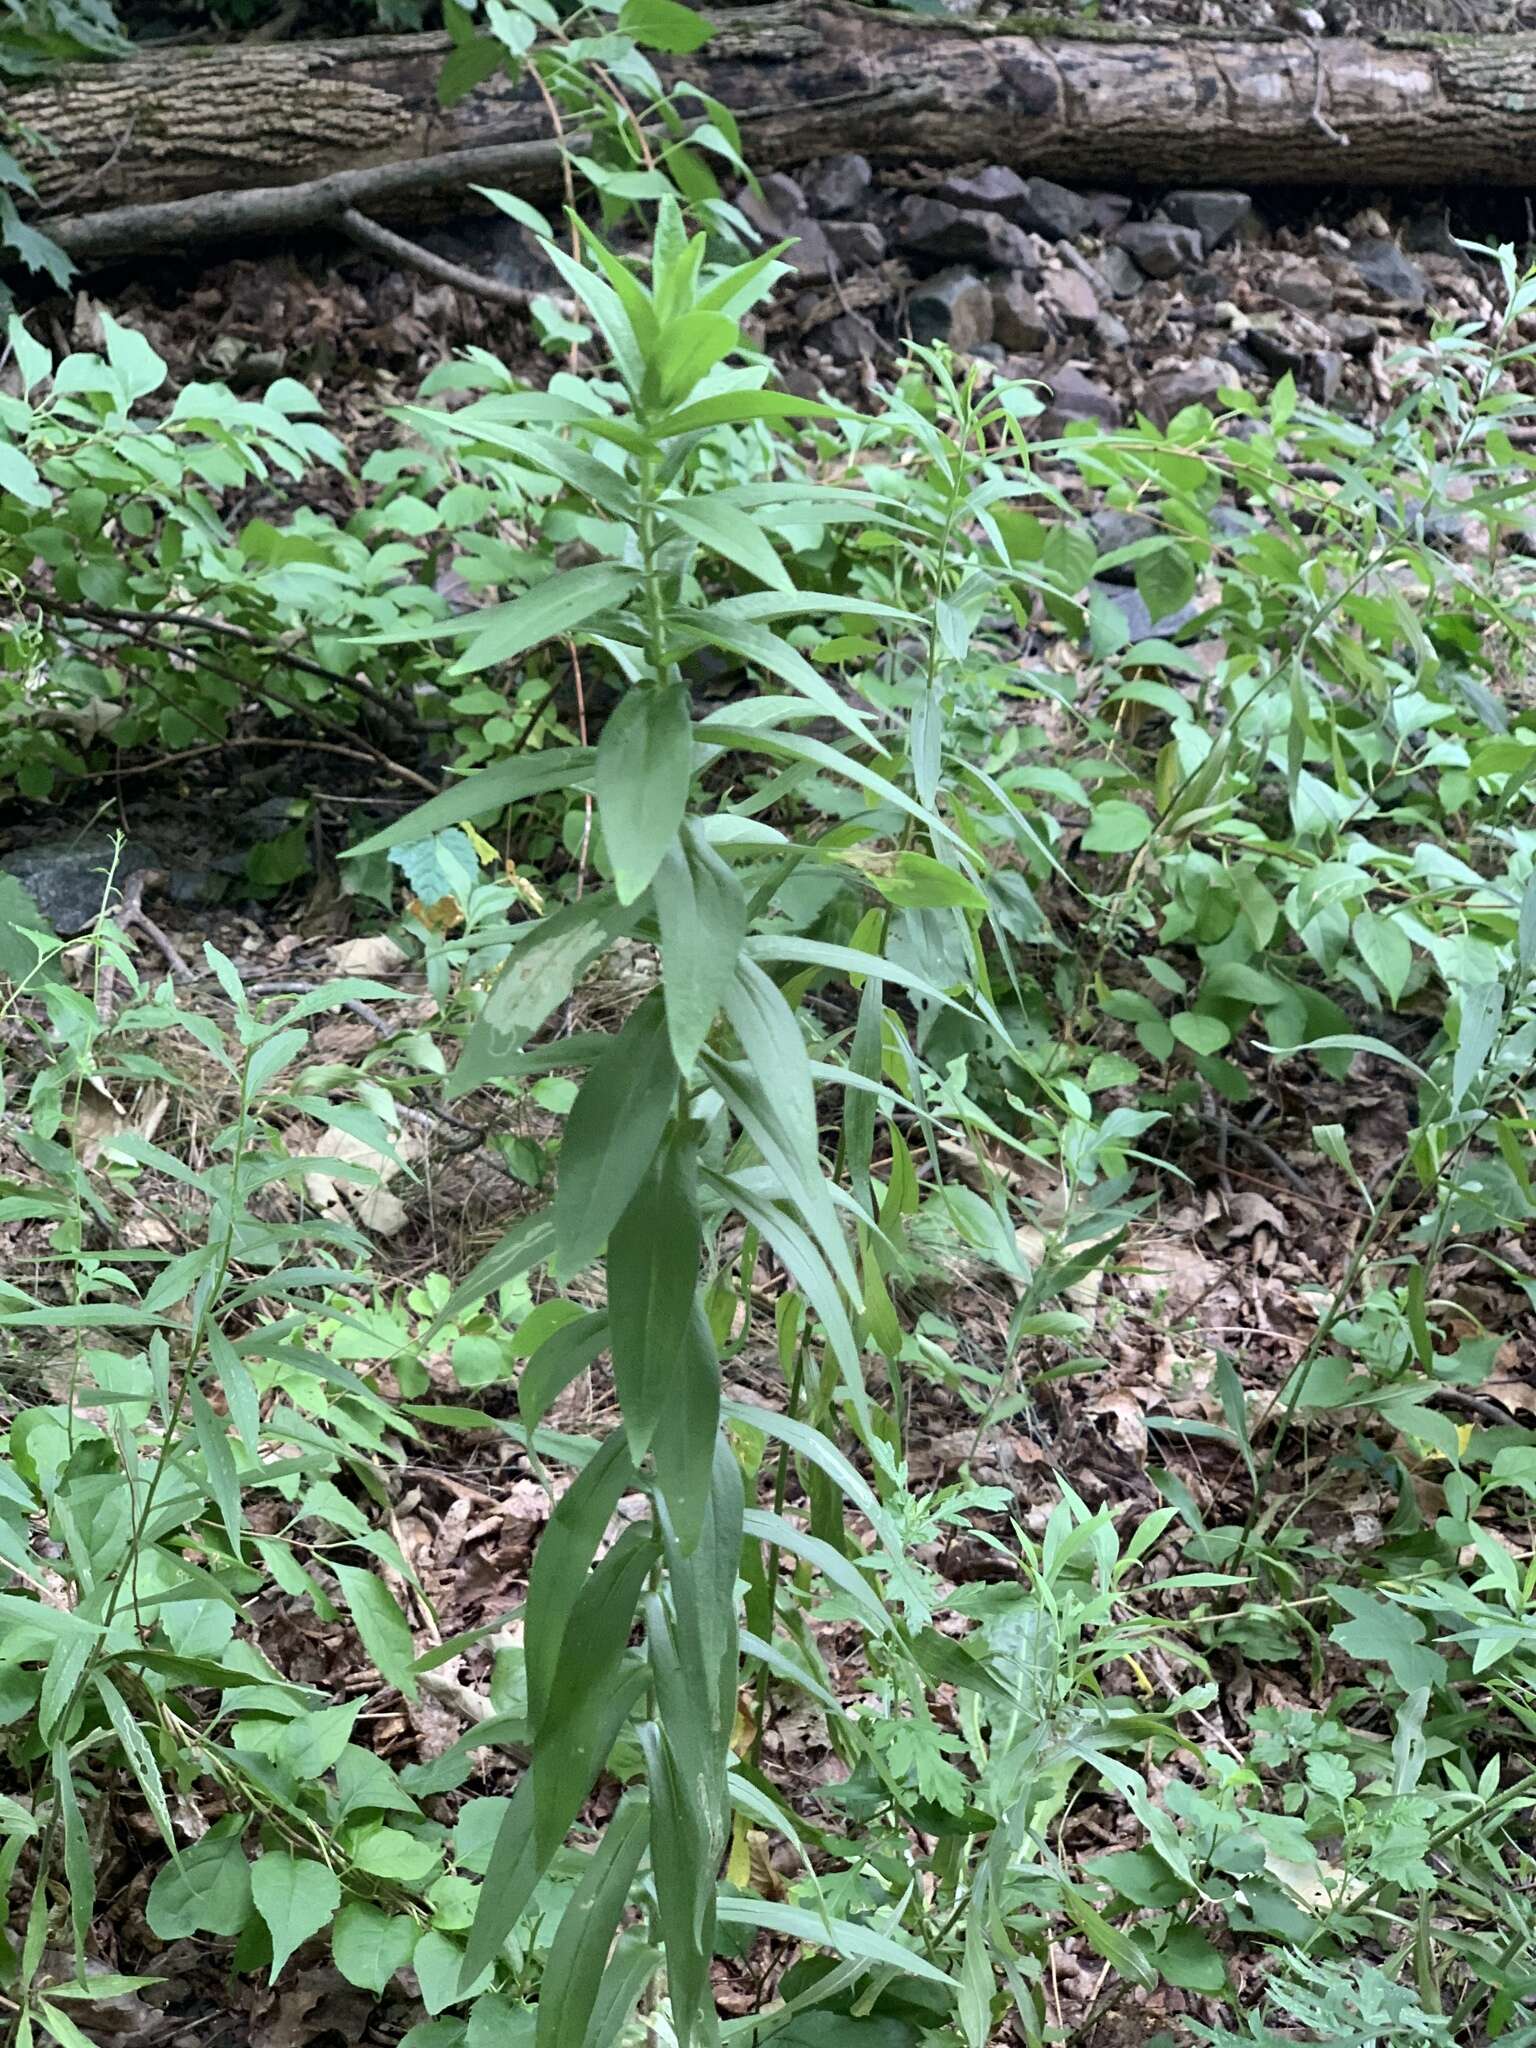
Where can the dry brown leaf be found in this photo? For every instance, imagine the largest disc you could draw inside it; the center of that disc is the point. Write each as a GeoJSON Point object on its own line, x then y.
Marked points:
{"type": "Point", "coordinates": [1127, 1422]}
{"type": "Point", "coordinates": [377, 956]}
{"type": "Point", "coordinates": [100, 1117]}
{"type": "Point", "coordinates": [376, 1208]}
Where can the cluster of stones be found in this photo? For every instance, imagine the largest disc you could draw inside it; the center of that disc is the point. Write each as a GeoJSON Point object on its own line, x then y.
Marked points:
{"type": "Point", "coordinates": [1042, 279]}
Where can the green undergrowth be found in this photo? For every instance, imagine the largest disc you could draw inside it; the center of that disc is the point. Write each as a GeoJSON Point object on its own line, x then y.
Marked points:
{"type": "Point", "coordinates": [936, 925]}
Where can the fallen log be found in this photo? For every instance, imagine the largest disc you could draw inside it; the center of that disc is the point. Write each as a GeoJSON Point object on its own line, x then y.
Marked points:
{"type": "Point", "coordinates": [1130, 104]}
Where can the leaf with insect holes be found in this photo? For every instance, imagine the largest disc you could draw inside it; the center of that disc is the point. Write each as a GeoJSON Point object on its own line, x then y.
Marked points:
{"type": "Point", "coordinates": [644, 769]}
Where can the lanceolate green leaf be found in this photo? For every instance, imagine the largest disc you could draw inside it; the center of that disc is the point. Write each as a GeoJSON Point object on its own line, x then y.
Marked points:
{"type": "Point", "coordinates": [383, 1629]}
{"type": "Point", "coordinates": [573, 1973]}
{"type": "Point", "coordinates": [611, 1136]}
{"type": "Point", "coordinates": [567, 1750]}
{"type": "Point", "coordinates": [653, 1271]}
{"type": "Point", "coordinates": [141, 1758]}
{"type": "Point", "coordinates": [482, 794]}
{"type": "Point", "coordinates": [728, 532]}
{"type": "Point", "coordinates": [516, 1864]}
{"type": "Point", "coordinates": [219, 1460]}
{"type": "Point", "coordinates": [682, 1450]}
{"type": "Point", "coordinates": [563, 1560]}
{"type": "Point", "coordinates": [644, 768]}
{"type": "Point", "coordinates": [683, 1870]}
{"type": "Point", "coordinates": [794, 1246]}
{"type": "Point", "coordinates": [527, 1244]}
{"type": "Point", "coordinates": [560, 604]}
{"type": "Point", "coordinates": [781, 1074]}
{"type": "Point", "coordinates": [570, 1350]}
{"type": "Point", "coordinates": [843, 1937]}
{"type": "Point", "coordinates": [631, 1968]}
{"type": "Point", "coordinates": [703, 917]}
{"type": "Point", "coordinates": [544, 968]}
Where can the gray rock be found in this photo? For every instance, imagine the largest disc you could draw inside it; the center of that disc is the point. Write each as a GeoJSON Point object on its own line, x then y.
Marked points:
{"type": "Point", "coordinates": [1195, 383]}
{"type": "Point", "coordinates": [1139, 621]}
{"type": "Point", "coordinates": [1325, 373]}
{"type": "Point", "coordinates": [1078, 397]}
{"type": "Point", "coordinates": [1305, 286]}
{"type": "Point", "coordinates": [1017, 321]}
{"type": "Point", "coordinates": [1355, 333]}
{"type": "Point", "coordinates": [780, 202]}
{"type": "Point", "coordinates": [838, 185]}
{"type": "Point", "coordinates": [1388, 271]}
{"type": "Point", "coordinates": [1275, 350]}
{"type": "Point", "coordinates": [855, 243]}
{"type": "Point", "coordinates": [932, 227]}
{"type": "Point", "coordinates": [1161, 247]}
{"type": "Point", "coordinates": [1113, 530]}
{"type": "Point", "coordinates": [993, 190]}
{"type": "Point", "coordinates": [1251, 367]}
{"type": "Point", "coordinates": [1110, 334]}
{"type": "Point", "coordinates": [1072, 300]}
{"type": "Point", "coordinates": [1215, 216]}
{"type": "Point", "coordinates": [1121, 272]}
{"type": "Point", "coordinates": [845, 339]}
{"type": "Point", "coordinates": [1109, 210]}
{"type": "Point", "coordinates": [67, 878]}
{"type": "Point", "coordinates": [1052, 210]}
{"type": "Point", "coordinates": [955, 307]}
{"type": "Point", "coordinates": [1429, 234]}
{"type": "Point", "coordinates": [810, 254]}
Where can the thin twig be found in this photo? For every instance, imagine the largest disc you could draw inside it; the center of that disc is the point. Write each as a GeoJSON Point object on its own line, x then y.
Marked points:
{"type": "Point", "coordinates": [224, 746]}
{"type": "Point", "coordinates": [410, 255]}
{"type": "Point", "coordinates": [226, 629]}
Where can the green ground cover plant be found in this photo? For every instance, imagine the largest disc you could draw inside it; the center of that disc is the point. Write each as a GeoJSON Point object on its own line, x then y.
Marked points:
{"type": "Point", "coordinates": [935, 931]}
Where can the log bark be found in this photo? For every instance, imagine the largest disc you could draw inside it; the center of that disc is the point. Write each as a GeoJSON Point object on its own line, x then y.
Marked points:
{"type": "Point", "coordinates": [815, 76]}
